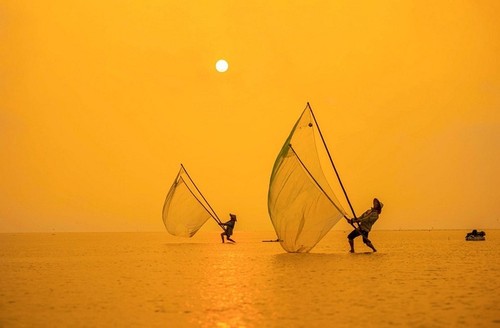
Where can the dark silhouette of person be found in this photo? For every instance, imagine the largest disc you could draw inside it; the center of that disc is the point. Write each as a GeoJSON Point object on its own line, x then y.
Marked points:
{"type": "Point", "coordinates": [228, 228]}
{"type": "Point", "coordinates": [365, 223]}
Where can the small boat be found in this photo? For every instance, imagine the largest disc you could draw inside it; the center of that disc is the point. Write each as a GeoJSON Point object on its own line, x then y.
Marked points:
{"type": "Point", "coordinates": [475, 235]}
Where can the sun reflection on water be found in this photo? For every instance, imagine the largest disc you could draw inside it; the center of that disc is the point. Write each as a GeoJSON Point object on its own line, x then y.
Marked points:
{"type": "Point", "coordinates": [226, 295]}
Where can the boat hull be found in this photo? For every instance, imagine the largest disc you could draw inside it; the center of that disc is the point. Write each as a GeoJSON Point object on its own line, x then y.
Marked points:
{"type": "Point", "coordinates": [475, 238]}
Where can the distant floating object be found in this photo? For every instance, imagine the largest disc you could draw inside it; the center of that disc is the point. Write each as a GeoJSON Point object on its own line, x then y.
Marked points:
{"type": "Point", "coordinates": [475, 235]}
{"type": "Point", "coordinates": [221, 65]}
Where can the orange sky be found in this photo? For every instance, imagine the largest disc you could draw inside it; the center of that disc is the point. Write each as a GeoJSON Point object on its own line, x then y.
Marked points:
{"type": "Point", "coordinates": [100, 101]}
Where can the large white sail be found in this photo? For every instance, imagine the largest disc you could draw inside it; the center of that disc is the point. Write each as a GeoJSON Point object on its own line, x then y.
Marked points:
{"type": "Point", "coordinates": [185, 209]}
{"type": "Point", "coordinates": [301, 203]}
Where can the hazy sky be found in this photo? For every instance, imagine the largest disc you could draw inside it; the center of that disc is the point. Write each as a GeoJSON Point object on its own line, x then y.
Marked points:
{"type": "Point", "coordinates": [100, 102]}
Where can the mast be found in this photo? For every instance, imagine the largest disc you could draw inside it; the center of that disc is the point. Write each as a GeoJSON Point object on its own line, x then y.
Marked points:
{"type": "Point", "coordinates": [331, 161]}
{"type": "Point", "coordinates": [212, 214]}
{"type": "Point", "coordinates": [316, 181]}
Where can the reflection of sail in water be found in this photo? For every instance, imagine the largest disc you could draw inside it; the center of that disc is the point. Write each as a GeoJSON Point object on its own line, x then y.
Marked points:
{"type": "Point", "coordinates": [301, 203]}
{"type": "Point", "coordinates": [186, 209]}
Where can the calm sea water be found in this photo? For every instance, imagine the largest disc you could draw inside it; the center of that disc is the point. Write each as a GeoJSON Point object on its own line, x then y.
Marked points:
{"type": "Point", "coordinates": [417, 279]}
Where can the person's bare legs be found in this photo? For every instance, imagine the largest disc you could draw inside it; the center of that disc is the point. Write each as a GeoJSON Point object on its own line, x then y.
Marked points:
{"type": "Point", "coordinates": [351, 243]}
{"type": "Point", "coordinates": [369, 244]}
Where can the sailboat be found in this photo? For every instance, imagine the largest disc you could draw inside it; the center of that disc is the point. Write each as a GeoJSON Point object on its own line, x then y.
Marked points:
{"type": "Point", "coordinates": [185, 209]}
{"type": "Point", "coordinates": [301, 203]}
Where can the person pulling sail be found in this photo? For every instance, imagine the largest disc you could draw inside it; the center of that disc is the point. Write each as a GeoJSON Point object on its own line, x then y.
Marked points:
{"type": "Point", "coordinates": [365, 223]}
{"type": "Point", "coordinates": [228, 228]}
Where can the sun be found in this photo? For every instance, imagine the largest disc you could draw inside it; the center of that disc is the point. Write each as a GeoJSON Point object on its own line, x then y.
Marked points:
{"type": "Point", "coordinates": [221, 65]}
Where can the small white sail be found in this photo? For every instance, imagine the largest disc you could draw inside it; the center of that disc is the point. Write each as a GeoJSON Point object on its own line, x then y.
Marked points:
{"type": "Point", "coordinates": [301, 203]}
{"type": "Point", "coordinates": [185, 209]}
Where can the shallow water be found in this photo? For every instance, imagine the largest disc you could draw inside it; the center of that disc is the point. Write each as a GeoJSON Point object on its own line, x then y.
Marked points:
{"type": "Point", "coordinates": [416, 279]}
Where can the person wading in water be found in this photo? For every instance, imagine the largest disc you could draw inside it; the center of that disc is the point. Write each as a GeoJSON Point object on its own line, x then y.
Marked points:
{"type": "Point", "coordinates": [228, 228]}
{"type": "Point", "coordinates": [365, 223]}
